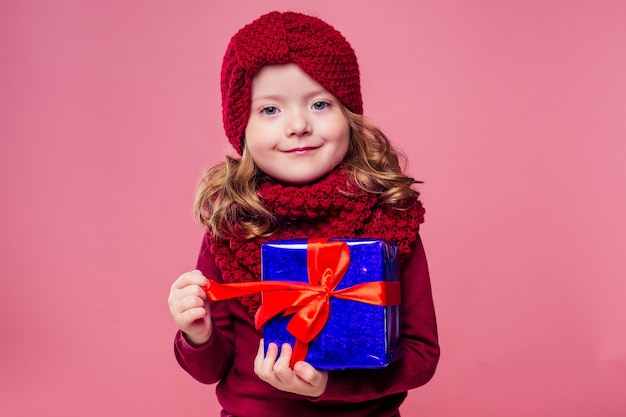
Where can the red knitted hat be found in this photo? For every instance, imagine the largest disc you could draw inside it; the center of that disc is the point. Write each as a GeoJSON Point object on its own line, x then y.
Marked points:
{"type": "Point", "coordinates": [279, 38]}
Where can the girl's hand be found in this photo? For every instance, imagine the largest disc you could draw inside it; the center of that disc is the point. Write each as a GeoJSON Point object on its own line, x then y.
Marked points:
{"type": "Point", "coordinates": [189, 307]}
{"type": "Point", "coordinates": [303, 379]}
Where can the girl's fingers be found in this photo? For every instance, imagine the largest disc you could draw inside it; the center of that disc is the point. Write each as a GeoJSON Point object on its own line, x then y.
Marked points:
{"type": "Point", "coordinates": [270, 356]}
{"type": "Point", "coordinates": [260, 356]}
{"type": "Point", "coordinates": [194, 277]}
{"type": "Point", "coordinates": [264, 364]}
{"type": "Point", "coordinates": [190, 296]}
{"type": "Point", "coordinates": [307, 373]}
{"type": "Point", "coordinates": [194, 314]}
{"type": "Point", "coordinates": [275, 370]}
{"type": "Point", "coordinates": [281, 366]}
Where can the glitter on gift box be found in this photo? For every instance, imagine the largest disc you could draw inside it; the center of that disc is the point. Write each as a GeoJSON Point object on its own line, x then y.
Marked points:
{"type": "Point", "coordinates": [356, 335]}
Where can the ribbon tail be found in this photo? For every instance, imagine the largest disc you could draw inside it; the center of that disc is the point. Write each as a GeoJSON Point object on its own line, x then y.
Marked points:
{"type": "Point", "coordinates": [300, 349]}
{"type": "Point", "coordinates": [217, 291]}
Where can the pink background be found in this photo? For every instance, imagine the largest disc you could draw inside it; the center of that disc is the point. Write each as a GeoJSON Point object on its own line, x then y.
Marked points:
{"type": "Point", "coordinates": [512, 112]}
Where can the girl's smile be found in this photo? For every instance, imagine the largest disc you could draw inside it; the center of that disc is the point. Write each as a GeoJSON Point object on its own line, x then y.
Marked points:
{"type": "Point", "coordinates": [302, 150]}
{"type": "Point", "coordinates": [297, 131]}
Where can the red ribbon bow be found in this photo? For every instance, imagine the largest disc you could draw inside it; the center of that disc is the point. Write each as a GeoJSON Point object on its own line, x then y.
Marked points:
{"type": "Point", "coordinates": [327, 263]}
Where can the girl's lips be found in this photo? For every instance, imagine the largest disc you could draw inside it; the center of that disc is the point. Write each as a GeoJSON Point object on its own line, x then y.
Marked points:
{"type": "Point", "coordinates": [303, 149]}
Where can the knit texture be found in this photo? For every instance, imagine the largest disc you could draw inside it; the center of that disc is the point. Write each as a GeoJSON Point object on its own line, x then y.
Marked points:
{"type": "Point", "coordinates": [280, 38]}
{"type": "Point", "coordinates": [317, 210]}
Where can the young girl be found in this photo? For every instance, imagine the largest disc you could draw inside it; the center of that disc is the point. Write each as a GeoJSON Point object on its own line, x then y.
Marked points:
{"type": "Point", "coordinates": [311, 166]}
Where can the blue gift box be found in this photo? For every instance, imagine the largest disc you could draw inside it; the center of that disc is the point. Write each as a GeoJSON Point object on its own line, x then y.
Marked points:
{"type": "Point", "coordinates": [357, 334]}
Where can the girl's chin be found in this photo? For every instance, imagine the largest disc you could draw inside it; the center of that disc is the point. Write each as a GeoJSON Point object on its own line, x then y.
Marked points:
{"type": "Point", "coordinates": [300, 179]}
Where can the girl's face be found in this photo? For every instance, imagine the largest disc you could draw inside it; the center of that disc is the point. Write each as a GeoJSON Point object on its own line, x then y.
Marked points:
{"type": "Point", "coordinates": [296, 132]}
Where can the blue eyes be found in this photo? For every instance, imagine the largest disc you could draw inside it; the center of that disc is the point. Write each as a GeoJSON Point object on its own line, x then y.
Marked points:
{"type": "Point", "coordinates": [270, 110]}
{"type": "Point", "coordinates": [273, 110]}
{"type": "Point", "coordinates": [320, 105]}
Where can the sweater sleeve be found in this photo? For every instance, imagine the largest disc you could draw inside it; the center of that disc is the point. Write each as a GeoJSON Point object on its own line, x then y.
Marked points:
{"type": "Point", "coordinates": [419, 341]}
{"type": "Point", "coordinates": [208, 363]}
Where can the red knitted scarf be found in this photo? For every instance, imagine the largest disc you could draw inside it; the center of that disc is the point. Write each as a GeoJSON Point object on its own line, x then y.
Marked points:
{"type": "Point", "coordinates": [316, 210]}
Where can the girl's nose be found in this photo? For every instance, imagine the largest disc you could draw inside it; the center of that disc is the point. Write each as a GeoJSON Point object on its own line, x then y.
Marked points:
{"type": "Point", "coordinates": [298, 124]}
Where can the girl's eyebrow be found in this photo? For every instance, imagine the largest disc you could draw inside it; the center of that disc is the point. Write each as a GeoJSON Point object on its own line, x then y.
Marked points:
{"type": "Point", "coordinates": [276, 96]}
{"type": "Point", "coordinates": [266, 97]}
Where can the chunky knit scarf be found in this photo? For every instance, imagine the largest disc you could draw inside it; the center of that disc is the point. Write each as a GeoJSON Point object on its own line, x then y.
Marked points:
{"type": "Point", "coordinates": [316, 210]}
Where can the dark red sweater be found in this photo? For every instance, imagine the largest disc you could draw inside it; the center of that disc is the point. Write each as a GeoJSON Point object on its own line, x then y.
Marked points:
{"type": "Point", "coordinates": [228, 358]}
